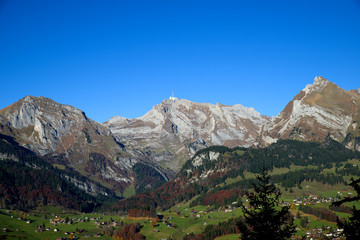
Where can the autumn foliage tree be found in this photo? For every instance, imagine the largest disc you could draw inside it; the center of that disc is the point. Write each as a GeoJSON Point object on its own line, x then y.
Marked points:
{"type": "Point", "coordinates": [153, 222]}
{"type": "Point", "coordinates": [263, 217]}
{"type": "Point", "coordinates": [128, 231]}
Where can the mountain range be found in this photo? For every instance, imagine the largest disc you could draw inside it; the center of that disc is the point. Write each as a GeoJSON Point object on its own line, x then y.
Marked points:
{"type": "Point", "coordinates": [172, 132]}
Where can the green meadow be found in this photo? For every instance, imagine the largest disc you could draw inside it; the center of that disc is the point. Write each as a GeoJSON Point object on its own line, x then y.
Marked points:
{"type": "Point", "coordinates": [180, 219]}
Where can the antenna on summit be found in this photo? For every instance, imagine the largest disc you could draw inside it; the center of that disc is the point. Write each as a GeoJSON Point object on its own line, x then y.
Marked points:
{"type": "Point", "coordinates": [172, 96]}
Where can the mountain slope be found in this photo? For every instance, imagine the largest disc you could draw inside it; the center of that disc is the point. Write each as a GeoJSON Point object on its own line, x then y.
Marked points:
{"type": "Point", "coordinates": [119, 152]}
{"type": "Point", "coordinates": [205, 175]}
{"type": "Point", "coordinates": [319, 110]}
{"type": "Point", "coordinates": [66, 136]}
{"type": "Point", "coordinates": [49, 127]}
{"type": "Point", "coordinates": [175, 129]}
{"type": "Point", "coordinates": [28, 181]}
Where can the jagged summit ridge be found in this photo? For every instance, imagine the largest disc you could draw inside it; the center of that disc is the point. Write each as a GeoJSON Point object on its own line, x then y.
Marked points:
{"type": "Point", "coordinates": [321, 109]}
{"type": "Point", "coordinates": [67, 136]}
{"type": "Point", "coordinates": [319, 83]}
{"type": "Point", "coordinates": [49, 121]}
{"type": "Point", "coordinates": [172, 131]}
{"type": "Point", "coordinates": [184, 113]}
{"type": "Point", "coordinates": [179, 127]}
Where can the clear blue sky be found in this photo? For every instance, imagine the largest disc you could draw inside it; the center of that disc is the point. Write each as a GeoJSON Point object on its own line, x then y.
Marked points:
{"type": "Point", "coordinates": [121, 57]}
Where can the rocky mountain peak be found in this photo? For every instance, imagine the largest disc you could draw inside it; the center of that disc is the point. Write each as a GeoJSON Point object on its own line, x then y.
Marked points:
{"type": "Point", "coordinates": [65, 135]}
{"type": "Point", "coordinates": [320, 110]}
{"type": "Point", "coordinates": [319, 83]}
{"type": "Point", "coordinates": [45, 126]}
{"type": "Point", "coordinates": [175, 129]}
{"type": "Point", "coordinates": [117, 120]}
{"type": "Point", "coordinates": [48, 104]}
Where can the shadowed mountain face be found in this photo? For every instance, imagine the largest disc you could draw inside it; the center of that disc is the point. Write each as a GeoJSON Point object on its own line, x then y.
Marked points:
{"type": "Point", "coordinates": [27, 181]}
{"type": "Point", "coordinates": [169, 134]}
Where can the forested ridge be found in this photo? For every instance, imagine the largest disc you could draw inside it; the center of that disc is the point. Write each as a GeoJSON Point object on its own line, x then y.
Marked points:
{"type": "Point", "coordinates": [147, 178]}
{"type": "Point", "coordinates": [28, 181]}
{"type": "Point", "coordinates": [313, 157]}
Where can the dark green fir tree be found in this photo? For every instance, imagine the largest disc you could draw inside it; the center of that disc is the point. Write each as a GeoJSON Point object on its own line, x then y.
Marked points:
{"type": "Point", "coordinates": [351, 225]}
{"type": "Point", "coordinates": [264, 218]}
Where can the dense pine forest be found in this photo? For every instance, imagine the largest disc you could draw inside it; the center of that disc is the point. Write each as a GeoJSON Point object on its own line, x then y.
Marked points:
{"type": "Point", "coordinates": [27, 181]}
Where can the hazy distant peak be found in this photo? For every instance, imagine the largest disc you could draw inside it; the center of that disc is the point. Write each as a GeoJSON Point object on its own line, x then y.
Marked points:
{"type": "Point", "coordinates": [117, 120]}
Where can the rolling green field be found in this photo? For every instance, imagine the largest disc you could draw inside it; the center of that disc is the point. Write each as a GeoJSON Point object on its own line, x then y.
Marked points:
{"type": "Point", "coordinates": [179, 220]}
{"type": "Point", "coordinates": [181, 215]}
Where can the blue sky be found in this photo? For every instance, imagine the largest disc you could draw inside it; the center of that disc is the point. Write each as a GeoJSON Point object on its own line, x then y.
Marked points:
{"type": "Point", "coordinates": [121, 58]}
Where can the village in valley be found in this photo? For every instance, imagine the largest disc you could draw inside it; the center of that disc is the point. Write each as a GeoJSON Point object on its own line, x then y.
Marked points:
{"type": "Point", "coordinates": [87, 226]}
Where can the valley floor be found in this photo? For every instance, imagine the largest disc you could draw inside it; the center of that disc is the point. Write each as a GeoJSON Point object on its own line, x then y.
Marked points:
{"type": "Point", "coordinates": [309, 203]}
{"type": "Point", "coordinates": [54, 223]}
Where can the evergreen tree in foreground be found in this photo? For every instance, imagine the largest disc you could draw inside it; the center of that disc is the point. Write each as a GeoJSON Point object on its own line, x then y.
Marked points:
{"type": "Point", "coordinates": [352, 225]}
{"type": "Point", "coordinates": [264, 218]}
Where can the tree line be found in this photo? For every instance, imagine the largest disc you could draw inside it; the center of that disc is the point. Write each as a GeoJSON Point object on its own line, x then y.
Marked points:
{"type": "Point", "coordinates": [232, 163]}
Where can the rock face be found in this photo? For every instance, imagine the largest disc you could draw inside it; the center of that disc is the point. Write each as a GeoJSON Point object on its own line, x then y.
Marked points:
{"type": "Point", "coordinates": [65, 135]}
{"type": "Point", "coordinates": [170, 133]}
{"type": "Point", "coordinates": [174, 130]}
{"type": "Point", "coordinates": [47, 126]}
{"type": "Point", "coordinates": [319, 110]}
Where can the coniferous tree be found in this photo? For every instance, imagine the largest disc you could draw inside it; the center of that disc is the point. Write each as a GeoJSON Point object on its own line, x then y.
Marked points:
{"type": "Point", "coordinates": [351, 226]}
{"type": "Point", "coordinates": [264, 218]}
